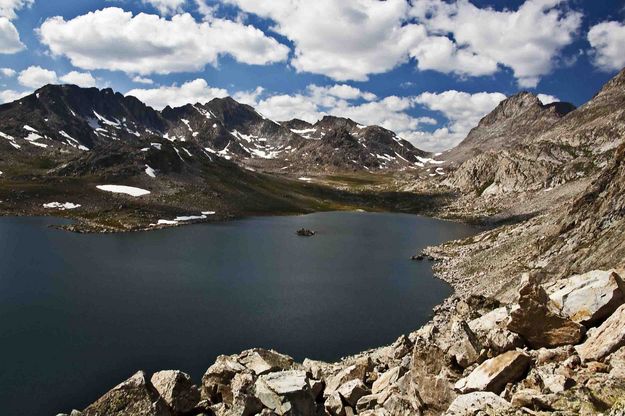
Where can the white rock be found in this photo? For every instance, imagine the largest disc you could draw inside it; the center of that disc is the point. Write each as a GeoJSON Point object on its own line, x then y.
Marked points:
{"type": "Point", "coordinates": [493, 375]}
{"type": "Point", "coordinates": [608, 337]}
{"type": "Point", "coordinates": [591, 297]}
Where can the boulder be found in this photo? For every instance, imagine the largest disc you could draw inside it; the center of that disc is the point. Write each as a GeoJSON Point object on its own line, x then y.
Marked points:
{"type": "Point", "coordinates": [493, 375]}
{"type": "Point", "coordinates": [608, 337]}
{"type": "Point", "coordinates": [216, 381]}
{"type": "Point", "coordinates": [334, 405]}
{"type": "Point", "coordinates": [387, 379]}
{"type": "Point", "coordinates": [135, 396]}
{"type": "Point", "coordinates": [617, 364]}
{"type": "Point", "coordinates": [261, 361]}
{"type": "Point", "coordinates": [286, 393]}
{"type": "Point", "coordinates": [500, 340]}
{"type": "Point", "coordinates": [481, 402]}
{"type": "Point", "coordinates": [367, 402]}
{"type": "Point", "coordinates": [352, 391]}
{"type": "Point", "coordinates": [177, 389]}
{"type": "Point", "coordinates": [491, 320]}
{"type": "Point", "coordinates": [244, 403]}
{"type": "Point", "coordinates": [358, 370]}
{"type": "Point", "coordinates": [465, 347]}
{"type": "Point", "coordinates": [532, 399]}
{"type": "Point", "coordinates": [538, 321]}
{"type": "Point", "coordinates": [429, 376]}
{"type": "Point", "coordinates": [398, 405]}
{"type": "Point", "coordinates": [591, 297]}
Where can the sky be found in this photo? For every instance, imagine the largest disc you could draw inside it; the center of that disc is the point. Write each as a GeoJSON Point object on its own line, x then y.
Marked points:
{"type": "Point", "coordinates": [426, 69]}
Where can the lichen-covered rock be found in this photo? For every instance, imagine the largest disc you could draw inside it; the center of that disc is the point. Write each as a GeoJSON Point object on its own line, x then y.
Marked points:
{"type": "Point", "coordinates": [591, 297]}
{"type": "Point", "coordinates": [481, 402]}
{"type": "Point", "coordinates": [609, 337]}
{"type": "Point", "coordinates": [135, 397]}
{"type": "Point", "coordinates": [493, 375]}
{"type": "Point", "coordinates": [538, 321]}
{"type": "Point", "coordinates": [286, 393]}
{"type": "Point", "coordinates": [177, 389]}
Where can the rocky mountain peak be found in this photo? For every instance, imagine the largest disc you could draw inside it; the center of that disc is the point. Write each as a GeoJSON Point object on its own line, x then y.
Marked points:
{"type": "Point", "coordinates": [520, 104]}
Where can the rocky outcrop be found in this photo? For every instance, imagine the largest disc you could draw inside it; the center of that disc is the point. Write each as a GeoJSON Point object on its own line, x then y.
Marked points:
{"type": "Point", "coordinates": [538, 321]}
{"type": "Point", "coordinates": [286, 393]}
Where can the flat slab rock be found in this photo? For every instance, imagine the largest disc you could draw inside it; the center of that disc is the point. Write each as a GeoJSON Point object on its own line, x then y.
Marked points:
{"type": "Point", "coordinates": [493, 375]}
{"type": "Point", "coordinates": [480, 402]}
{"type": "Point", "coordinates": [286, 393]}
{"type": "Point", "coordinates": [606, 339]}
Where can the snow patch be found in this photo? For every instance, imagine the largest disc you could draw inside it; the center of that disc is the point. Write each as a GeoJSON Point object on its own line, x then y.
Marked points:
{"type": "Point", "coordinates": [61, 206]}
{"type": "Point", "coordinates": [150, 172]}
{"type": "Point", "coordinates": [122, 189]}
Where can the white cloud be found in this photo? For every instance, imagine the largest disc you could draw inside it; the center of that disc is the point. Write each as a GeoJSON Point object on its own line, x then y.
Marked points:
{"type": "Point", "coordinates": [527, 40]}
{"type": "Point", "coordinates": [351, 40]}
{"type": "Point", "coordinates": [36, 76]}
{"type": "Point", "coordinates": [8, 96]}
{"type": "Point", "coordinates": [9, 8]}
{"type": "Point", "coordinates": [8, 72]}
{"type": "Point", "coordinates": [547, 99]}
{"type": "Point", "coordinates": [338, 100]}
{"type": "Point", "coordinates": [166, 7]}
{"type": "Point", "coordinates": [142, 80]}
{"type": "Point", "coordinates": [144, 44]}
{"type": "Point", "coordinates": [345, 40]}
{"type": "Point", "coordinates": [463, 112]}
{"type": "Point", "coordinates": [608, 42]}
{"type": "Point", "coordinates": [82, 79]}
{"type": "Point", "coordinates": [190, 92]}
{"type": "Point", "coordinates": [9, 37]}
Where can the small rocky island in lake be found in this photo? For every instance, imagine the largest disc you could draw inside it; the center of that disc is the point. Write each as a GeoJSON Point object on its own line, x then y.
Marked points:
{"type": "Point", "coordinates": [305, 232]}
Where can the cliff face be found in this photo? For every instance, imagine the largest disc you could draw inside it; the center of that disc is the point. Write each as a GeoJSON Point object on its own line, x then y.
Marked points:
{"type": "Point", "coordinates": [526, 146]}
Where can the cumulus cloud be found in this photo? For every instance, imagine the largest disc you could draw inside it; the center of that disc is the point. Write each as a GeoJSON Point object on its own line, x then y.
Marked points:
{"type": "Point", "coordinates": [463, 112]}
{"type": "Point", "coordinates": [9, 8]}
{"type": "Point", "coordinates": [196, 91]}
{"type": "Point", "coordinates": [608, 42]}
{"type": "Point", "coordinates": [9, 37]}
{"type": "Point", "coordinates": [8, 96]}
{"type": "Point", "coordinates": [338, 100]}
{"type": "Point", "coordinates": [365, 37]}
{"type": "Point", "coordinates": [142, 80]}
{"type": "Point", "coordinates": [547, 99]}
{"type": "Point", "coordinates": [36, 76]}
{"type": "Point", "coordinates": [166, 7]}
{"type": "Point", "coordinates": [82, 79]}
{"type": "Point", "coordinates": [8, 72]}
{"type": "Point", "coordinates": [144, 44]}
{"type": "Point", "coordinates": [527, 40]}
{"type": "Point", "coordinates": [345, 40]}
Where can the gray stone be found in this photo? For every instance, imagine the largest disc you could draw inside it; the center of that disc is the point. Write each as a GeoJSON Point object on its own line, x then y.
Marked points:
{"type": "Point", "coordinates": [261, 361]}
{"type": "Point", "coordinates": [493, 375]}
{"type": "Point", "coordinates": [135, 397]}
{"type": "Point", "coordinates": [482, 402]}
{"type": "Point", "coordinates": [177, 389]}
{"type": "Point", "coordinates": [286, 393]}
{"type": "Point", "coordinates": [352, 391]}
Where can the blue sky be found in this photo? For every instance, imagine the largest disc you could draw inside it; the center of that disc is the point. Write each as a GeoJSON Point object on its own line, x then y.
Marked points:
{"type": "Point", "coordinates": [428, 69]}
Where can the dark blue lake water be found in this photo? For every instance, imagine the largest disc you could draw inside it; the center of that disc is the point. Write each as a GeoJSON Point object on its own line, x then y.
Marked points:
{"type": "Point", "coordinates": [80, 313]}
